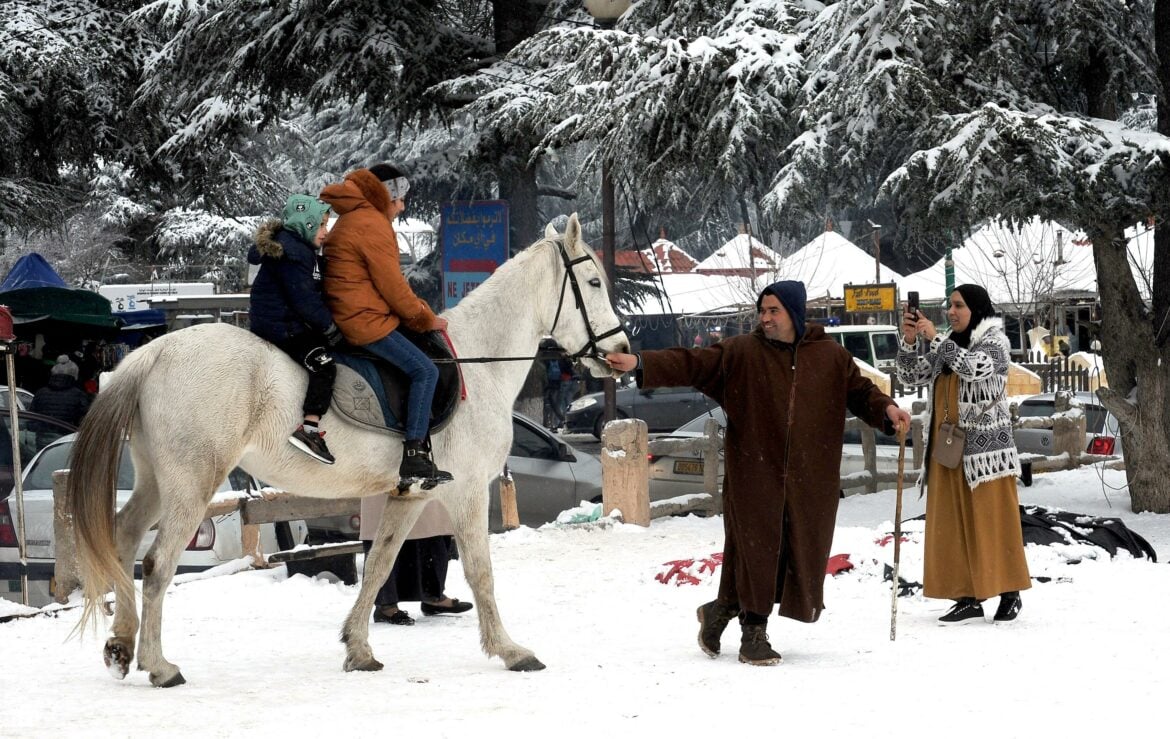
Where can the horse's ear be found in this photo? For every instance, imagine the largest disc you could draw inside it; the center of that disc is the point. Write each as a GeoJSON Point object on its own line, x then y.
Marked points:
{"type": "Point", "coordinates": [550, 232]}
{"type": "Point", "coordinates": [573, 232]}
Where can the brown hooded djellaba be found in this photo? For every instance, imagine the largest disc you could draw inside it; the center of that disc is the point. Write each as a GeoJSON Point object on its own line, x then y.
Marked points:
{"type": "Point", "coordinates": [785, 407]}
{"type": "Point", "coordinates": [364, 284]}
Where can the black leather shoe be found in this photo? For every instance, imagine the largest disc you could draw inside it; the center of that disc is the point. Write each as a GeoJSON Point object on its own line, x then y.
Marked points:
{"type": "Point", "coordinates": [398, 618]}
{"type": "Point", "coordinates": [1010, 605]}
{"type": "Point", "coordinates": [435, 609]}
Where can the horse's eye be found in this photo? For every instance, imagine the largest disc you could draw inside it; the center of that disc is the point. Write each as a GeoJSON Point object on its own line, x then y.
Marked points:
{"type": "Point", "coordinates": [595, 282]}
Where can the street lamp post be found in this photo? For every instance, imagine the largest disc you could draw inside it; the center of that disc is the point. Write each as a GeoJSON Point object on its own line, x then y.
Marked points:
{"type": "Point", "coordinates": [605, 15]}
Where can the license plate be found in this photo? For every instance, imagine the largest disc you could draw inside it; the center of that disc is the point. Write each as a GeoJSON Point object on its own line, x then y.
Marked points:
{"type": "Point", "coordinates": [688, 467]}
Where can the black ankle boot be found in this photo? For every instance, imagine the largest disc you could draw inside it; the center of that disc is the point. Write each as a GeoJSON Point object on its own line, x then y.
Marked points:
{"type": "Point", "coordinates": [418, 465]}
{"type": "Point", "coordinates": [1010, 605]}
{"type": "Point", "coordinates": [754, 648]}
{"type": "Point", "coordinates": [713, 620]}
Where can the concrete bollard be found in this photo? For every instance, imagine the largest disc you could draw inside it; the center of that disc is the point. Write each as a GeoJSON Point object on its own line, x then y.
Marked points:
{"type": "Point", "coordinates": [625, 476]}
{"type": "Point", "coordinates": [509, 511]}
{"type": "Point", "coordinates": [65, 577]}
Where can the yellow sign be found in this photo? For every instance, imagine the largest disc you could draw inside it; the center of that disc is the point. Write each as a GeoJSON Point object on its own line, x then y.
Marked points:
{"type": "Point", "coordinates": [870, 298]}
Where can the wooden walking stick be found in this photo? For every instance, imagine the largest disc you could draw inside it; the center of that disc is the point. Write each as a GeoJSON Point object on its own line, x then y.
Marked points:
{"type": "Point", "coordinates": [897, 534]}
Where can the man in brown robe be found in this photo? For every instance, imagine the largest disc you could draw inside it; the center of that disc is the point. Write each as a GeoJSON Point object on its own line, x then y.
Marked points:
{"type": "Point", "coordinates": [785, 388]}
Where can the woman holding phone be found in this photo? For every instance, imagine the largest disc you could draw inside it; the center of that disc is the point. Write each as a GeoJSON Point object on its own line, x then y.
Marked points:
{"type": "Point", "coordinates": [974, 542]}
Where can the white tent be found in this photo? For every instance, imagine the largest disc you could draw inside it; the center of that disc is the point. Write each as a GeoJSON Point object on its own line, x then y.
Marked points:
{"type": "Point", "coordinates": [829, 262]}
{"type": "Point", "coordinates": [690, 293]}
{"type": "Point", "coordinates": [1035, 263]}
{"type": "Point", "coordinates": [744, 255]}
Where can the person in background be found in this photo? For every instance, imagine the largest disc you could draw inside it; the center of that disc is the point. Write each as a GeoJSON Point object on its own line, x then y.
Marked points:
{"type": "Point", "coordinates": [420, 571]}
{"type": "Point", "coordinates": [554, 414]}
{"type": "Point", "coordinates": [61, 398]}
{"type": "Point", "coordinates": [974, 539]}
{"type": "Point", "coordinates": [371, 298]}
{"type": "Point", "coordinates": [785, 388]}
{"type": "Point", "coordinates": [568, 387]}
{"type": "Point", "coordinates": [287, 308]}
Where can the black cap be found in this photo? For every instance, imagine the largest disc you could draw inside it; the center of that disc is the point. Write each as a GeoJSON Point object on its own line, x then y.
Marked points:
{"type": "Point", "coordinates": [386, 171]}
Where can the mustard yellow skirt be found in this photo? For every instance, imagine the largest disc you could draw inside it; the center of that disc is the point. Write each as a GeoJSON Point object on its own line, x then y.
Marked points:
{"type": "Point", "coordinates": [974, 541]}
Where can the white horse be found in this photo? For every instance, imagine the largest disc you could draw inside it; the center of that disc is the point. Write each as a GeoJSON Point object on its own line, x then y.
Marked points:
{"type": "Point", "coordinates": [202, 400]}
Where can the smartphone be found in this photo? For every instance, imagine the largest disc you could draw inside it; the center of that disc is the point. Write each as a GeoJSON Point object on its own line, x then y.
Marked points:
{"type": "Point", "coordinates": [912, 302]}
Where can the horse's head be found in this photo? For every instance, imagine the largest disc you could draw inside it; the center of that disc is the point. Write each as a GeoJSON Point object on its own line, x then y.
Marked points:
{"type": "Point", "coordinates": [585, 324]}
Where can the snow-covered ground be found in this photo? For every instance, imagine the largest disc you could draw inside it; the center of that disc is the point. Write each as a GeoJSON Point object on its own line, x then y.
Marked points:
{"type": "Point", "coordinates": [1088, 656]}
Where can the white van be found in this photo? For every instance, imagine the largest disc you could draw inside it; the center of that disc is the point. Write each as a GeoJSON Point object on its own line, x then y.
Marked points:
{"type": "Point", "coordinates": [876, 345]}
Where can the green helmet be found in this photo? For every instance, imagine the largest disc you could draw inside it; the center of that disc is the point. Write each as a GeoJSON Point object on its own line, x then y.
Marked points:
{"type": "Point", "coordinates": [302, 215]}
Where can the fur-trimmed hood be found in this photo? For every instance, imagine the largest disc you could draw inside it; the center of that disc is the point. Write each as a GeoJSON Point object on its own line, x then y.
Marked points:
{"type": "Point", "coordinates": [977, 334]}
{"type": "Point", "coordinates": [266, 242]}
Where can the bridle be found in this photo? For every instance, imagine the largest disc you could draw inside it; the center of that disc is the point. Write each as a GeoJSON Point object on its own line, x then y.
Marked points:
{"type": "Point", "coordinates": [591, 349]}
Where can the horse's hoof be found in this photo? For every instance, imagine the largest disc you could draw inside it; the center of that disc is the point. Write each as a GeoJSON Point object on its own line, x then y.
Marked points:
{"type": "Point", "coordinates": [117, 656]}
{"type": "Point", "coordinates": [528, 664]}
{"type": "Point", "coordinates": [365, 665]}
{"type": "Point", "coordinates": [176, 679]}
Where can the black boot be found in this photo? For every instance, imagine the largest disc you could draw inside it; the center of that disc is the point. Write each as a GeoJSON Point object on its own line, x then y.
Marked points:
{"type": "Point", "coordinates": [713, 620]}
{"type": "Point", "coordinates": [754, 648]}
{"type": "Point", "coordinates": [418, 466]}
{"type": "Point", "coordinates": [1009, 606]}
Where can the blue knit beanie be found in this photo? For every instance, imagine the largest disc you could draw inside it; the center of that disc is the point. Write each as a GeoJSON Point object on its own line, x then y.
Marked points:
{"type": "Point", "coordinates": [792, 296]}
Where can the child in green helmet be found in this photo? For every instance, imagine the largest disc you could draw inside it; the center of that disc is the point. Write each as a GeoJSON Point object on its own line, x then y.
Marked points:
{"type": "Point", "coordinates": [287, 307]}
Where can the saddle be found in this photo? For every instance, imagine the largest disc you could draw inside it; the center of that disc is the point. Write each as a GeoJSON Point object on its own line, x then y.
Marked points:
{"type": "Point", "coordinates": [372, 393]}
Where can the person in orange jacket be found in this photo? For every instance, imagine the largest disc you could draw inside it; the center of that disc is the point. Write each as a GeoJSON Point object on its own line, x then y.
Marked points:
{"type": "Point", "coordinates": [370, 299]}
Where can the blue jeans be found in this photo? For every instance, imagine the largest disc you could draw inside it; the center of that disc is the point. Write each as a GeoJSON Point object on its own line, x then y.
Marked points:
{"type": "Point", "coordinates": [424, 376]}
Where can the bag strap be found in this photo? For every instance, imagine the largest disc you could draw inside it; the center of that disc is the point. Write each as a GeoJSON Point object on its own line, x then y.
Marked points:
{"type": "Point", "coordinates": [947, 410]}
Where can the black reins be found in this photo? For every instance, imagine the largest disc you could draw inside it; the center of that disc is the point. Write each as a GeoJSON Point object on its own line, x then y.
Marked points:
{"type": "Point", "coordinates": [591, 349]}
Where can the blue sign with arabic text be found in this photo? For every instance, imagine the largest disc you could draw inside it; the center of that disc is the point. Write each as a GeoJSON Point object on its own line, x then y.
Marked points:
{"type": "Point", "coordinates": [474, 237]}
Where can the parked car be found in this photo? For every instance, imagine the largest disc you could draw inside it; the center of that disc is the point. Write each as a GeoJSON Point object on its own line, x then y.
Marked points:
{"type": "Point", "coordinates": [671, 475]}
{"type": "Point", "coordinates": [663, 408]}
{"type": "Point", "coordinates": [216, 541]}
{"type": "Point", "coordinates": [23, 397]}
{"type": "Point", "coordinates": [1103, 434]}
{"type": "Point", "coordinates": [550, 475]}
{"type": "Point", "coordinates": [35, 431]}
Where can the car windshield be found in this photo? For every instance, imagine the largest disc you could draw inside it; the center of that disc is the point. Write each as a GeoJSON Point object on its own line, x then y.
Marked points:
{"type": "Point", "coordinates": [1094, 414]}
{"type": "Point", "coordinates": [885, 345]}
{"type": "Point", "coordinates": [696, 425]}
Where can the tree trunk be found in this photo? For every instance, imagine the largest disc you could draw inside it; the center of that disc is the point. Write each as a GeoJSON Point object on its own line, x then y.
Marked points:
{"type": "Point", "coordinates": [518, 187]}
{"type": "Point", "coordinates": [1135, 366]}
{"type": "Point", "coordinates": [1161, 281]}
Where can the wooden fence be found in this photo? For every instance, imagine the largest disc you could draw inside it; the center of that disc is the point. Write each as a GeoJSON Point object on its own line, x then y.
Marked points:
{"type": "Point", "coordinates": [625, 448]}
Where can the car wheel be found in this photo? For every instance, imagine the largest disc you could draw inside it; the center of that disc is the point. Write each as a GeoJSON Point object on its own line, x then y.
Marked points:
{"type": "Point", "coordinates": [600, 422]}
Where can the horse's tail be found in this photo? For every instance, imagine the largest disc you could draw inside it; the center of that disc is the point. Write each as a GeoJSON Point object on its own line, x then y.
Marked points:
{"type": "Point", "coordinates": [93, 477]}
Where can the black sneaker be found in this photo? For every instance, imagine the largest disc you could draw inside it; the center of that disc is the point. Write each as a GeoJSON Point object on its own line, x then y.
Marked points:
{"type": "Point", "coordinates": [754, 648]}
{"type": "Point", "coordinates": [713, 620]}
{"type": "Point", "coordinates": [312, 444]}
{"type": "Point", "coordinates": [418, 466]}
{"type": "Point", "coordinates": [965, 610]}
{"type": "Point", "coordinates": [1010, 605]}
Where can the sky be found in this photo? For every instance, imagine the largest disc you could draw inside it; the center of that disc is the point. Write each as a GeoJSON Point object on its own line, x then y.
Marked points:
{"type": "Point", "coordinates": [260, 651]}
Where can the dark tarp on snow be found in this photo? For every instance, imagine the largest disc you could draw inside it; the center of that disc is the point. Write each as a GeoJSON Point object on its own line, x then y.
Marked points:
{"type": "Point", "coordinates": [1047, 527]}
{"type": "Point", "coordinates": [34, 292]}
{"type": "Point", "coordinates": [1043, 526]}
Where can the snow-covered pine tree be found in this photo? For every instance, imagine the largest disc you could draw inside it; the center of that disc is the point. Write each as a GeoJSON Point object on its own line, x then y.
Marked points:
{"type": "Point", "coordinates": [1007, 111]}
